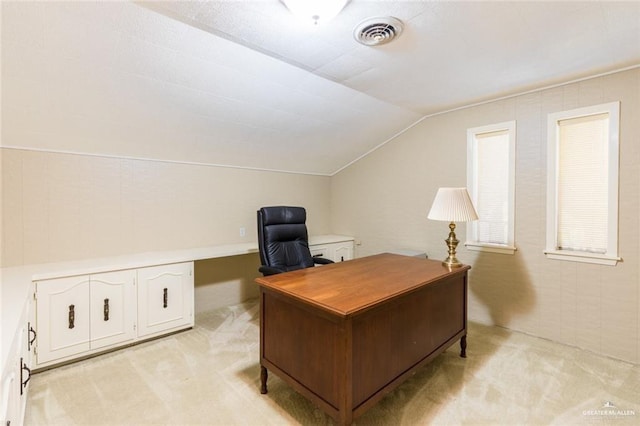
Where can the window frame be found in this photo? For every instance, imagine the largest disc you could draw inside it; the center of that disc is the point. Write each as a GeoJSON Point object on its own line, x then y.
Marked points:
{"type": "Point", "coordinates": [551, 251]}
{"type": "Point", "coordinates": [472, 242]}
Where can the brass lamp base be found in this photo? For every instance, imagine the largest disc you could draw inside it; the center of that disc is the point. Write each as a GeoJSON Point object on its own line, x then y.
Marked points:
{"type": "Point", "coordinates": [452, 242]}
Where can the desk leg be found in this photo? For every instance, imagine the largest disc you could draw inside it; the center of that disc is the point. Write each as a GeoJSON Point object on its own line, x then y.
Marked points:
{"type": "Point", "coordinates": [264, 374]}
{"type": "Point", "coordinates": [463, 346]}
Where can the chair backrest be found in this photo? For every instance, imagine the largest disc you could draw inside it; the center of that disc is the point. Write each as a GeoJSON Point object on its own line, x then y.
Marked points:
{"type": "Point", "coordinates": [282, 238]}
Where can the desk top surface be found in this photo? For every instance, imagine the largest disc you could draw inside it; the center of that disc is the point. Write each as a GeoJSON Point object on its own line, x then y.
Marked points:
{"type": "Point", "coordinates": [346, 288]}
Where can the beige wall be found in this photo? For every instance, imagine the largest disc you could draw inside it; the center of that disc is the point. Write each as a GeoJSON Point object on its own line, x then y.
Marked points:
{"type": "Point", "coordinates": [61, 207]}
{"type": "Point", "coordinates": [225, 281]}
{"type": "Point", "coordinates": [384, 198]}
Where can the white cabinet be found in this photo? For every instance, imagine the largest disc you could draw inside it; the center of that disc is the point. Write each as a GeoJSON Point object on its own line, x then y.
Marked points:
{"type": "Point", "coordinates": [15, 379]}
{"type": "Point", "coordinates": [165, 298]}
{"type": "Point", "coordinates": [343, 251]}
{"type": "Point", "coordinates": [82, 315]}
{"type": "Point", "coordinates": [338, 251]}
{"type": "Point", "coordinates": [63, 317]}
{"type": "Point", "coordinates": [10, 402]}
{"type": "Point", "coordinates": [112, 310]}
{"type": "Point", "coordinates": [78, 314]}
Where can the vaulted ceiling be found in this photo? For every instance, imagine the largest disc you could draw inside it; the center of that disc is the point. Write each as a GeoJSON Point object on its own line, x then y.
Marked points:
{"type": "Point", "coordinates": [244, 84]}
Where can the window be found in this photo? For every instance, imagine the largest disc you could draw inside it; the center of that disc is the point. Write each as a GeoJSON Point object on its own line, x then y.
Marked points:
{"type": "Point", "coordinates": [491, 184]}
{"type": "Point", "coordinates": [582, 184]}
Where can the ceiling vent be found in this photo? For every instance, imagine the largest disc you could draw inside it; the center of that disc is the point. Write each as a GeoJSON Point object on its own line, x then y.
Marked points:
{"type": "Point", "coordinates": [377, 31]}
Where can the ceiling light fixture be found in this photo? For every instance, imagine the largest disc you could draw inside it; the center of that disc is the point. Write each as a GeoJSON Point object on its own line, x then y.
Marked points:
{"type": "Point", "coordinates": [315, 12]}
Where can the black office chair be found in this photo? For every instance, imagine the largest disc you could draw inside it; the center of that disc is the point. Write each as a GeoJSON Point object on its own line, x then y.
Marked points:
{"type": "Point", "coordinates": [283, 240]}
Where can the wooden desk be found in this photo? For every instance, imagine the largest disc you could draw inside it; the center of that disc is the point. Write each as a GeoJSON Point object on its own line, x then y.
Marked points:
{"type": "Point", "coordinates": [346, 334]}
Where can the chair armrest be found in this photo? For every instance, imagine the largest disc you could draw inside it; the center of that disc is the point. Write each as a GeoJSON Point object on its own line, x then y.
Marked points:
{"type": "Point", "coordinates": [322, 261]}
{"type": "Point", "coordinates": [268, 270]}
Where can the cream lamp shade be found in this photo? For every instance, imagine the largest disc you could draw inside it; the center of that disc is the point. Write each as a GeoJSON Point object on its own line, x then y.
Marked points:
{"type": "Point", "coordinates": [452, 205]}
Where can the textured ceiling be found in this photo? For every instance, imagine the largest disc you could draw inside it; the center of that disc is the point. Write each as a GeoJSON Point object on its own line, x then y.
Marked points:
{"type": "Point", "coordinates": [243, 84]}
{"type": "Point", "coordinates": [451, 53]}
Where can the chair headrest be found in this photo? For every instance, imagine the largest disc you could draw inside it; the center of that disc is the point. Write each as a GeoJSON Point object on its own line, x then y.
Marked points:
{"type": "Point", "coordinates": [278, 215]}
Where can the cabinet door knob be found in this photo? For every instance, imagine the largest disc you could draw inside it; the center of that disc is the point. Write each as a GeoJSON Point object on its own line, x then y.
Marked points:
{"type": "Point", "coordinates": [165, 297]}
{"type": "Point", "coordinates": [106, 309]}
{"type": "Point", "coordinates": [72, 316]}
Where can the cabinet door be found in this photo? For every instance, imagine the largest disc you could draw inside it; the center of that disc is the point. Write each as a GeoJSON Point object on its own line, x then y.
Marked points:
{"type": "Point", "coordinates": [113, 304]}
{"type": "Point", "coordinates": [15, 378]}
{"type": "Point", "coordinates": [343, 251]}
{"type": "Point", "coordinates": [165, 298]}
{"type": "Point", "coordinates": [24, 355]}
{"type": "Point", "coordinates": [62, 314]}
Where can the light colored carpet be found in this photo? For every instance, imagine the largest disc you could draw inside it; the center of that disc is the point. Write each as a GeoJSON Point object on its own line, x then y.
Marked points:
{"type": "Point", "coordinates": [210, 375]}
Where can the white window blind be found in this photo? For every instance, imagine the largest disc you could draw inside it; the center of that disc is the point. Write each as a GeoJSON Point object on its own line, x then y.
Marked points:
{"type": "Point", "coordinates": [492, 182]}
{"type": "Point", "coordinates": [583, 183]}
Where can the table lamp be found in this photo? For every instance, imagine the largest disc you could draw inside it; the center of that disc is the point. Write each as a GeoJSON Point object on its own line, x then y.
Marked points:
{"type": "Point", "coordinates": [452, 205]}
